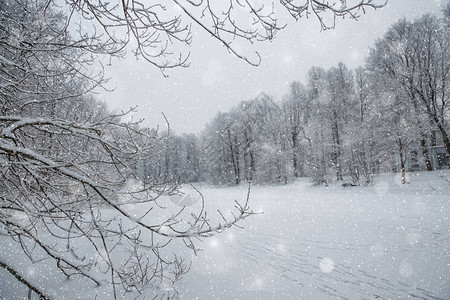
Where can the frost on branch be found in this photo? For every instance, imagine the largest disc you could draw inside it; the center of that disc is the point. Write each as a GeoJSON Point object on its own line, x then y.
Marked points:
{"type": "Point", "coordinates": [157, 31]}
{"type": "Point", "coordinates": [67, 207]}
{"type": "Point", "coordinates": [65, 202]}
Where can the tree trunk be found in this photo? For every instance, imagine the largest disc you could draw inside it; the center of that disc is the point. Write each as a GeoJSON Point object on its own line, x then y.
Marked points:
{"type": "Point", "coordinates": [294, 155]}
{"type": "Point", "coordinates": [336, 150]}
{"type": "Point", "coordinates": [445, 138]}
{"type": "Point", "coordinates": [426, 156]}
{"type": "Point", "coordinates": [402, 160]}
{"type": "Point", "coordinates": [402, 166]}
{"type": "Point", "coordinates": [233, 158]}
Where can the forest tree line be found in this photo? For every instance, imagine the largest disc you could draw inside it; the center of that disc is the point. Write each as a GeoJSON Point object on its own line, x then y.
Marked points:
{"type": "Point", "coordinates": [338, 124]}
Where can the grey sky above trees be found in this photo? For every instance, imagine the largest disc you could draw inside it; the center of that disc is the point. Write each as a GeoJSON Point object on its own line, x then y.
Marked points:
{"type": "Point", "coordinates": [217, 81]}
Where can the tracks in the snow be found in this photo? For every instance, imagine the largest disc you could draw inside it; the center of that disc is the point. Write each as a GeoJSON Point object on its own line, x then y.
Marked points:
{"type": "Point", "coordinates": [297, 267]}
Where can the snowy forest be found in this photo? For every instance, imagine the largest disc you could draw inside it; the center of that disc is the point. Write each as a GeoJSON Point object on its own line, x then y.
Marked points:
{"type": "Point", "coordinates": [94, 206]}
{"type": "Point", "coordinates": [339, 124]}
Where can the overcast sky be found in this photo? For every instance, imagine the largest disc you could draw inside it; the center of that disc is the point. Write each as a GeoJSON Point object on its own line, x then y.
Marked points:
{"type": "Point", "coordinates": [217, 81]}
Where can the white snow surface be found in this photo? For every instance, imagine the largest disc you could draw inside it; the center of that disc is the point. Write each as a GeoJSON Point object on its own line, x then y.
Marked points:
{"type": "Point", "coordinates": [386, 241]}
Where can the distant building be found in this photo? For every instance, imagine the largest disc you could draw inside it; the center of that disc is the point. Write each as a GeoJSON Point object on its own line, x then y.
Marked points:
{"type": "Point", "coordinates": [415, 161]}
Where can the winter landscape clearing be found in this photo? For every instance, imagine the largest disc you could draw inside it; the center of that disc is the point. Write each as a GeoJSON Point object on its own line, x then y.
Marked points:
{"type": "Point", "coordinates": [383, 242]}
{"type": "Point", "coordinates": [103, 201]}
{"type": "Point", "coordinates": [386, 241]}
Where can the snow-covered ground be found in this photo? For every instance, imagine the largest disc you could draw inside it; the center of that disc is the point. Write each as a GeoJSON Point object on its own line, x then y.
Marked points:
{"type": "Point", "coordinates": [386, 241]}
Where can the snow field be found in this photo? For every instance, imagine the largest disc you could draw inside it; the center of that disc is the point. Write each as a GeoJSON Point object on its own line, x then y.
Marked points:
{"type": "Point", "coordinates": [386, 241]}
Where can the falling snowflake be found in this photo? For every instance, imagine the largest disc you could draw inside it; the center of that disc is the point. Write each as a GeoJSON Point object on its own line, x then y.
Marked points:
{"type": "Point", "coordinates": [230, 236]}
{"type": "Point", "coordinates": [326, 265]}
{"type": "Point", "coordinates": [213, 243]}
{"type": "Point", "coordinates": [280, 248]}
{"type": "Point", "coordinates": [31, 272]}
